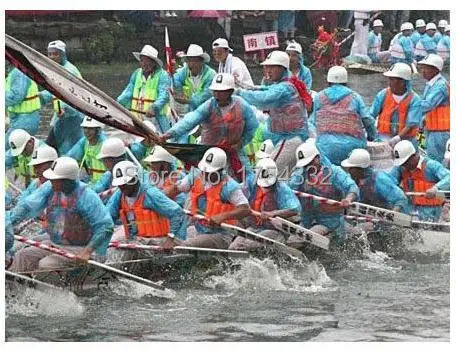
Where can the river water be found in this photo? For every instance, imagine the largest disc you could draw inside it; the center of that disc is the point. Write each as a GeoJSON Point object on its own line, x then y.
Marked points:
{"type": "Point", "coordinates": [369, 297]}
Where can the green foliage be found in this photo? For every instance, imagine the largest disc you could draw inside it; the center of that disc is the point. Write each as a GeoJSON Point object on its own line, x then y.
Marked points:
{"type": "Point", "coordinates": [100, 47]}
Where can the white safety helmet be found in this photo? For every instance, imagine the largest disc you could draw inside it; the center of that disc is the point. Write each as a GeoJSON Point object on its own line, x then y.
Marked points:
{"type": "Point", "coordinates": [124, 172]}
{"type": "Point", "coordinates": [402, 152]}
{"type": "Point", "coordinates": [63, 168]}
{"type": "Point", "coordinates": [277, 58]}
{"type": "Point", "coordinates": [420, 23]}
{"type": "Point", "coordinates": [159, 154]}
{"type": "Point", "coordinates": [399, 70]}
{"type": "Point", "coordinates": [294, 47]}
{"type": "Point", "coordinates": [447, 150]}
{"type": "Point", "coordinates": [221, 43]}
{"type": "Point", "coordinates": [337, 74]}
{"type": "Point", "coordinates": [214, 159]}
{"type": "Point", "coordinates": [305, 153]}
{"type": "Point", "coordinates": [42, 154]}
{"type": "Point", "coordinates": [90, 122]}
{"type": "Point", "coordinates": [359, 158]}
{"type": "Point", "coordinates": [112, 147]}
{"type": "Point", "coordinates": [433, 60]}
{"type": "Point", "coordinates": [266, 173]}
{"type": "Point", "coordinates": [266, 149]}
{"type": "Point", "coordinates": [442, 23]}
{"type": "Point", "coordinates": [222, 81]}
{"type": "Point", "coordinates": [57, 44]}
{"type": "Point", "coordinates": [447, 28]}
{"type": "Point", "coordinates": [431, 25]}
{"type": "Point", "coordinates": [406, 26]}
{"type": "Point", "coordinates": [151, 125]}
{"type": "Point", "coordinates": [18, 140]}
{"type": "Point", "coordinates": [378, 23]}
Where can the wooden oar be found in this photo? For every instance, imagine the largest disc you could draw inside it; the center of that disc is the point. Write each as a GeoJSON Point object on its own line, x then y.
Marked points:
{"type": "Point", "coordinates": [21, 277]}
{"type": "Point", "coordinates": [72, 256]}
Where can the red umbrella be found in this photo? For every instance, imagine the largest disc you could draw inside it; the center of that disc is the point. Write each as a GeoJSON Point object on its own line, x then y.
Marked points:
{"type": "Point", "coordinates": [208, 14]}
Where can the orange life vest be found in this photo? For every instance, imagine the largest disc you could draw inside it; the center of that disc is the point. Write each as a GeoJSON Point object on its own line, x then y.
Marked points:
{"type": "Point", "coordinates": [438, 119]}
{"type": "Point", "coordinates": [150, 224]}
{"type": "Point", "coordinates": [415, 181]}
{"type": "Point", "coordinates": [214, 203]}
{"type": "Point", "coordinates": [388, 108]}
{"type": "Point", "coordinates": [264, 201]}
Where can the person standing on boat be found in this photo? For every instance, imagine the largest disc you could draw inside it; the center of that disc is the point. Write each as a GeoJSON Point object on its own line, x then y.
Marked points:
{"type": "Point", "coordinates": [426, 45]}
{"type": "Point", "coordinates": [22, 103]}
{"type": "Point", "coordinates": [230, 64]}
{"type": "Point", "coordinates": [77, 220]}
{"type": "Point", "coordinates": [359, 46]}
{"type": "Point", "coordinates": [420, 30]}
{"type": "Point", "coordinates": [214, 194]}
{"type": "Point", "coordinates": [340, 118]}
{"type": "Point", "coordinates": [268, 198]}
{"type": "Point", "coordinates": [225, 120]}
{"type": "Point", "coordinates": [397, 108]}
{"type": "Point", "coordinates": [443, 47]}
{"type": "Point", "coordinates": [421, 175]}
{"type": "Point", "coordinates": [441, 28]}
{"type": "Point", "coordinates": [66, 121]}
{"type": "Point", "coordinates": [401, 46]}
{"type": "Point", "coordinates": [87, 149]}
{"type": "Point", "coordinates": [315, 175]}
{"type": "Point", "coordinates": [147, 92]}
{"type": "Point", "coordinates": [374, 44]}
{"type": "Point", "coordinates": [297, 67]}
{"type": "Point", "coordinates": [435, 104]}
{"type": "Point", "coordinates": [146, 213]}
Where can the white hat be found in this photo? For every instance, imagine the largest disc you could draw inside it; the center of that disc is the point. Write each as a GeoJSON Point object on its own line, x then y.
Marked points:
{"type": "Point", "coordinates": [359, 158]}
{"type": "Point", "coordinates": [57, 44]}
{"type": "Point", "coordinates": [159, 154]}
{"type": "Point", "coordinates": [447, 150]}
{"type": "Point", "coordinates": [337, 74]}
{"type": "Point", "coordinates": [112, 147]}
{"type": "Point", "coordinates": [214, 159]}
{"type": "Point", "coordinates": [90, 122]}
{"type": "Point", "coordinates": [123, 172]}
{"type": "Point", "coordinates": [402, 152]}
{"type": "Point", "coordinates": [406, 26]}
{"type": "Point", "coordinates": [18, 140]}
{"type": "Point", "coordinates": [399, 70]}
{"type": "Point", "coordinates": [221, 43]}
{"type": "Point", "coordinates": [431, 25]}
{"type": "Point", "coordinates": [447, 28]}
{"type": "Point", "coordinates": [149, 51]}
{"type": "Point", "coordinates": [266, 149]}
{"type": "Point", "coordinates": [42, 154]}
{"type": "Point", "coordinates": [305, 153]}
{"type": "Point", "coordinates": [197, 51]}
{"type": "Point", "coordinates": [63, 168]}
{"type": "Point", "coordinates": [266, 173]}
{"type": "Point", "coordinates": [442, 23]}
{"type": "Point", "coordinates": [222, 81]}
{"type": "Point", "coordinates": [151, 125]}
{"type": "Point", "coordinates": [277, 58]}
{"type": "Point", "coordinates": [420, 23]}
{"type": "Point", "coordinates": [378, 23]}
{"type": "Point", "coordinates": [432, 60]}
{"type": "Point", "coordinates": [294, 47]}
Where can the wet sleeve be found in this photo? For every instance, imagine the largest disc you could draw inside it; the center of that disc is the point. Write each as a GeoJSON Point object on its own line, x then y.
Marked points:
{"type": "Point", "coordinates": [104, 183]}
{"type": "Point", "coordinates": [367, 119]}
{"type": "Point", "coordinates": [288, 199]}
{"type": "Point", "coordinates": [113, 205]}
{"type": "Point", "coordinates": [164, 85]}
{"type": "Point", "coordinates": [296, 179]}
{"type": "Point", "coordinates": [395, 174]}
{"type": "Point", "coordinates": [307, 77]}
{"type": "Point", "coordinates": [435, 96]}
{"type": "Point", "coordinates": [377, 104]}
{"type": "Point", "coordinates": [77, 151]}
{"type": "Point", "coordinates": [436, 171]}
{"type": "Point", "coordinates": [390, 192]}
{"type": "Point", "coordinates": [415, 112]}
{"type": "Point", "coordinates": [178, 79]}
{"type": "Point", "coordinates": [33, 205]}
{"type": "Point", "coordinates": [10, 160]}
{"type": "Point", "coordinates": [275, 96]}
{"type": "Point", "coordinates": [343, 182]}
{"type": "Point", "coordinates": [45, 97]}
{"type": "Point", "coordinates": [251, 123]}
{"type": "Point", "coordinates": [18, 91]}
{"type": "Point", "coordinates": [127, 94]}
{"type": "Point", "coordinates": [313, 116]}
{"type": "Point", "coordinates": [190, 120]}
{"type": "Point", "coordinates": [138, 150]}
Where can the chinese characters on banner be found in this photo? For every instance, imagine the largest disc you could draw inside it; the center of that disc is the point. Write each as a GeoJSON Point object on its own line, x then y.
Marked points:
{"type": "Point", "coordinates": [260, 41]}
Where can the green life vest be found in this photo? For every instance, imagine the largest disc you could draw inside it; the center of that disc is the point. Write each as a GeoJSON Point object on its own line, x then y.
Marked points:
{"type": "Point", "coordinates": [145, 93]}
{"type": "Point", "coordinates": [22, 169]}
{"type": "Point", "coordinates": [189, 89]}
{"type": "Point", "coordinates": [31, 102]}
{"type": "Point", "coordinates": [95, 166]}
{"type": "Point", "coordinates": [251, 148]}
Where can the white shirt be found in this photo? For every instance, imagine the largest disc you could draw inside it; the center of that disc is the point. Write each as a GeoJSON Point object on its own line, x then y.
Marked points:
{"type": "Point", "coordinates": [236, 67]}
{"type": "Point", "coordinates": [399, 98]}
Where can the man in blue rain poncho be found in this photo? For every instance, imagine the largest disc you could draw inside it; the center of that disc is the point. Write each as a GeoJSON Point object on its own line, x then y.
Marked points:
{"type": "Point", "coordinates": [66, 121]}
{"type": "Point", "coordinates": [340, 118]}
{"type": "Point", "coordinates": [374, 44]}
{"type": "Point", "coordinates": [297, 67]}
{"type": "Point", "coordinates": [226, 121]}
{"type": "Point", "coordinates": [427, 44]}
{"type": "Point", "coordinates": [147, 92]}
{"type": "Point", "coordinates": [77, 220]}
{"type": "Point", "coordinates": [401, 46]}
{"type": "Point", "coordinates": [397, 108]}
{"type": "Point", "coordinates": [420, 175]}
{"type": "Point", "coordinates": [268, 198]}
{"type": "Point", "coordinates": [316, 176]}
{"type": "Point", "coordinates": [287, 122]}
{"type": "Point", "coordinates": [87, 149]}
{"type": "Point", "coordinates": [420, 29]}
{"type": "Point", "coordinates": [443, 46]}
{"type": "Point", "coordinates": [146, 213]}
{"type": "Point", "coordinates": [22, 103]}
{"type": "Point", "coordinates": [441, 27]}
{"type": "Point", "coordinates": [435, 104]}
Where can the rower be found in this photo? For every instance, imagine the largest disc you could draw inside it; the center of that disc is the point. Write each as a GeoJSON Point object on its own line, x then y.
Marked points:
{"type": "Point", "coordinates": [22, 146]}
{"type": "Point", "coordinates": [315, 175]}
{"type": "Point", "coordinates": [374, 45]}
{"type": "Point", "coordinates": [269, 198]}
{"type": "Point", "coordinates": [443, 46]}
{"type": "Point", "coordinates": [217, 196]}
{"type": "Point", "coordinates": [341, 118]}
{"type": "Point", "coordinates": [441, 29]}
{"type": "Point", "coordinates": [397, 108]}
{"type": "Point", "coordinates": [420, 29]}
{"type": "Point", "coordinates": [147, 92]}
{"type": "Point", "coordinates": [401, 46]}
{"type": "Point", "coordinates": [297, 67]}
{"type": "Point", "coordinates": [226, 121]}
{"type": "Point", "coordinates": [427, 44]}
{"type": "Point", "coordinates": [420, 174]}
{"type": "Point", "coordinates": [435, 104]}
{"type": "Point", "coordinates": [265, 151]}
{"type": "Point", "coordinates": [66, 121]}
{"type": "Point", "coordinates": [87, 149]}
{"type": "Point", "coordinates": [78, 222]}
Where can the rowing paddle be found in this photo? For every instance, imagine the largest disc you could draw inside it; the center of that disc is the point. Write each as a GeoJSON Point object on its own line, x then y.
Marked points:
{"type": "Point", "coordinates": [21, 277]}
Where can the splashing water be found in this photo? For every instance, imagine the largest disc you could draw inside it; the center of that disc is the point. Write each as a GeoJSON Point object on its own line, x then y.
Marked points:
{"type": "Point", "coordinates": [136, 290]}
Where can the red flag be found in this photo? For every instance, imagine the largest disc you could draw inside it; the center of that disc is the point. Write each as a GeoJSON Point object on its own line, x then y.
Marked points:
{"type": "Point", "coordinates": [169, 53]}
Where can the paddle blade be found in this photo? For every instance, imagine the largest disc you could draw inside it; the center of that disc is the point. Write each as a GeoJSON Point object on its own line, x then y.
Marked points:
{"type": "Point", "coordinates": [188, 153]}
